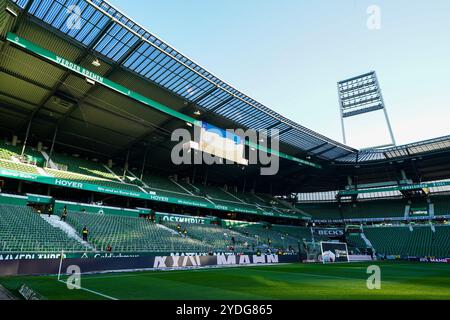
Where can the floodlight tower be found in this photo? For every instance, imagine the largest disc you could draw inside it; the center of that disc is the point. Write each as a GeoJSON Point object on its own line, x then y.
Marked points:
{"type": "Point", "coordinates": [359, 95]}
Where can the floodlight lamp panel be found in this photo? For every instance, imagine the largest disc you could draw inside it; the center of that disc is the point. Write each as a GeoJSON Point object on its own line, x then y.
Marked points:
{"type": "Point", "coordinates": [11, 12]}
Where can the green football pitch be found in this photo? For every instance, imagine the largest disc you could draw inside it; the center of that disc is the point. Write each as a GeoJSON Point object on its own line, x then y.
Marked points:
{"type": "Point", "coordinates": [291, 281]}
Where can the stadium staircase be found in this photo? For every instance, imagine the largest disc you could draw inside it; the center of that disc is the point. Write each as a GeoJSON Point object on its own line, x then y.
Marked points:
{"type": "Point", "coordinates": [56, 222]}
{"type": "Point", "coordinates": [187, 187]}
{"type": "Point", "coordinates": [49, 161]}
{"type": "Point", "coordinates": [431, 209]}
{"type": "Point", "coordinates": [407, 210]}
{"type": "Point", "coordinates": [366, 241]}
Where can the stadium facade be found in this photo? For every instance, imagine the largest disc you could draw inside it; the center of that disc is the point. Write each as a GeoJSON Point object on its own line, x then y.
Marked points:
{"type": "Point", "coordinates": [88, 102]}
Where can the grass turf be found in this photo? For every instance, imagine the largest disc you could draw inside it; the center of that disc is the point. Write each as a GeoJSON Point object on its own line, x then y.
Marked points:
{"type": "Point", "coordinates": [292, 281]}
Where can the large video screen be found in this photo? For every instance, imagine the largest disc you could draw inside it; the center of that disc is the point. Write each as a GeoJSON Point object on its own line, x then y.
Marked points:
{"type": "Point", "coordinates": [221, 143]}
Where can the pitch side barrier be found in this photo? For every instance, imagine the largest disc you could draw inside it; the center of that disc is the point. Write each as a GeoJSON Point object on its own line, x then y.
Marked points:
{"type": "Point", "coordinates": [150, 262]}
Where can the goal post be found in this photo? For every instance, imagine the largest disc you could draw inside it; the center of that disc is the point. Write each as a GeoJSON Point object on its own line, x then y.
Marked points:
{"type": "Point", "coordinates": [312, 250]}
{"type": "Point", "coordinates": [333, 252]}
{"type": "Point", "coordinates": [60, 264]}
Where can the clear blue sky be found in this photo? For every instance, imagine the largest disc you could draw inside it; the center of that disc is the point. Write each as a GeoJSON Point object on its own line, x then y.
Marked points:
{"type": "Point", "coordinates": [289, 54]}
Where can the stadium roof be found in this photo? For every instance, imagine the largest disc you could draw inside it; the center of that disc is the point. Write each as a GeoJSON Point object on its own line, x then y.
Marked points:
{"type": "Point", "coordinates": [398, 152]}
{"type": "Point", "coordinates": [99, 121]}
{"type": "Point", "coordinates": [112, 35]}
{"type": "Point", "coordinates": [109, 33]}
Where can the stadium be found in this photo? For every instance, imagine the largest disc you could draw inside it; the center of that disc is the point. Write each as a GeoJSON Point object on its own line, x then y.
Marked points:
{"type": "Point", "coordinates": [93, 205]}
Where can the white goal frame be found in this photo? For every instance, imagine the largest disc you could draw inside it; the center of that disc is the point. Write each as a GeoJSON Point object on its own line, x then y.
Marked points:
{"type": "Point", "coordinates": [346, 250]}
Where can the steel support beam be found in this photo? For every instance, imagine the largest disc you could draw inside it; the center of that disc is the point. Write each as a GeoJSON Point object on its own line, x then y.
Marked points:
{"type": "Point", "coordinates": [325, 151]}
{"type": "Point", "coordinates": [107, 75]}
{"type": "Point", "coordinates": [317, 147]}
{"type": "Point", "coordinates": [67, 73]}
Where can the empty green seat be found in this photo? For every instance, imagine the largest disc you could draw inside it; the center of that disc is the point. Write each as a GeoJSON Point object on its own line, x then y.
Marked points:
{"type": "Point", "coordinates": [218, 237]}
{"type": "Point", "coordinates": [131, 234]}
{"type": "Point", "coordinates": [23, 230]}
{"type": "Point", "coordinates": [399, 240]}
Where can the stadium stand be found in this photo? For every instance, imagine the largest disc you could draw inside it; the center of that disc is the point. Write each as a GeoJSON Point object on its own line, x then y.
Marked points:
{"type": "Point", "coordinates": [356, 241]}
{"type": "Point", "coordinates": [293, 231]}
{"type": "Point", "coordinates": [23, 230]}
{"type": "Point", "coordinates": [217, 193]}
{"type": "Point", "coordinates": [441, 205]}
{"type": "Point", "coordinates": [242, 205]}
{"type": "Point", "coordinates": [363, 209]}
{"type": "Point", "coordinates": [263, 234]}
{"type": "Point", "coordinates": [374, 209]}
{"type": "Point", "coordinates": [69, 167]}
{"type": "Point", "coordinates": [264, 200]}
{"type": "Point", "coordinates": [166, 186]}
{"type": "Point", "coordinates": [158, 182]}
{"type": "Point", "coordinates": [249, 201]}
{"type": "Point", "coordinates": [10, 158]}
{"type": "Point", "coordinates": [18, 166]}
{"type": "Point", "coordinates": [219, 238]}
{"type": "Point", "coordinates": [321, 210]}
{"type": "Point", "coordinates": [120, 124]}
{"type": "Point", "coordinates": [130, 234]}
{"type": "Point", "coordinates": [82, 170]}
{"type": "Point", "coordinates": [82, 166]}
{"type": "Point", "coordinates": [241, 196]}
{"type": "Point", "coordinates": [400, 240]}
{"type": "Point", "coordinates": [189, 187]}
{"type": "Point", "coordinates": [92, 179]}
{"type": "Point", "coordinates": [9, 152]}
{"type": "Point", "coordinates": [6, 151]}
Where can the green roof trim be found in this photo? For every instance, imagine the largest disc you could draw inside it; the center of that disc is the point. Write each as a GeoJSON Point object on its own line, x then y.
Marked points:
{"type": "Point", "coordinates": [153, 196]}
{"type": "Point", "coordinates": [414, 186]}
{"type": "Point", "coordinates": [97, 78]}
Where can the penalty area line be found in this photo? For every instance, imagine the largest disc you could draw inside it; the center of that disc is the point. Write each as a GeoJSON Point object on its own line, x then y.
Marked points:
{"type": "Point", "coordinates": [92, 291]}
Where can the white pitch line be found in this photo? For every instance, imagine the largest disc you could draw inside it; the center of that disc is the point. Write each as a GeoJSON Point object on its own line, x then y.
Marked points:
{"type": "Point", "coordinates": [311, 274]}
{"type": "Point", "coordinates": [145, 272]}
{"type": "Point", "coordinates": [92, 291]}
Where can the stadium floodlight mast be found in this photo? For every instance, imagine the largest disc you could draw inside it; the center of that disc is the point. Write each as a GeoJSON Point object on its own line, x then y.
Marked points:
{"type": "Point", "coordinates": [360, 95]}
